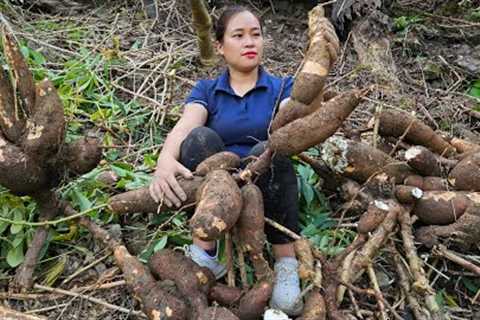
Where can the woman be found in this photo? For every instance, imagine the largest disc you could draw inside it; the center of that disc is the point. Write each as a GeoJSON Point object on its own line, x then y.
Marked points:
{"type": "Point", "coordinates": [233, 112]}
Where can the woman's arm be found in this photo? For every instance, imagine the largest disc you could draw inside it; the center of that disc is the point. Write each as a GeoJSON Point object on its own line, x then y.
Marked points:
{"type": "Point", "coordinates": [165, 186]}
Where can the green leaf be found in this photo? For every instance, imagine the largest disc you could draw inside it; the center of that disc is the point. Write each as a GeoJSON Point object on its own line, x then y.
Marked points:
{"type": "Point", "coordinates": [25, 51]}
{"type": "Point", "coordinates": [439, 298]}
{"type": "Point", "coordinates": [18, 239]}
{"type": "Point", "coordinates": [37, 57]}
{"type": "Point", "coordinates": [3, 226]}
{"type": "Point", "coordinates": [150, 160]}
{"type": "Point", "coordinates": [450, 300]}
{"type": "Point", "coordinates": [15, 256]}
{"type": "Point", "coordinates": [308, 193]}
{"type": "Point", "coordinates": [472, 285]}
{"type": "Point", "coordinates": [55, 271]}
{"type": "Point", "coordinates": [122, 169]}
{"type": "Point", "coordinates": [474, 91]}
{"type": "Point", "coordinates": [82, 200]}
{"type": "Point", "coordinates": [17, 216]}
{"type": "Point", "coordinates": [160, 244]}
{"type": "Point", "coordinates": [309, 230]}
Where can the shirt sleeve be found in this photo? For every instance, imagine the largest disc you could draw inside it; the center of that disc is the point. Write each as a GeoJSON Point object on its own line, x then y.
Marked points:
{"type": "Point", "coordinates": [199, 94]}
{"type": "Point", "coordinates": [287, 88]}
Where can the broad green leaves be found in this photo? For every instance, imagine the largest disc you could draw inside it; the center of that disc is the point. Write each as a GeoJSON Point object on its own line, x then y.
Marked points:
{"type": "Point", "coordinates": [474, 90]}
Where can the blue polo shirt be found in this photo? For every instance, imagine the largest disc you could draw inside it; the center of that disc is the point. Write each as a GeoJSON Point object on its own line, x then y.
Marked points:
{"type": "Point", "coordinates": [241, 122]}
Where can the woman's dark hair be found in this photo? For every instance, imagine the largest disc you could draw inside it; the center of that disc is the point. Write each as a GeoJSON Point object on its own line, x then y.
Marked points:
{"type": "Point", "coordinates": [227, 14]}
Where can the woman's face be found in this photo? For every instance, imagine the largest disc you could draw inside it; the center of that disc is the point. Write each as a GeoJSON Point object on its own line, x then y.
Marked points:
{"type": "Point", "coordinates": [242, 45]}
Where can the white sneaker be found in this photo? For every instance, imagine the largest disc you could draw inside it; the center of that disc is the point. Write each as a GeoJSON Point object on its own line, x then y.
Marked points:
{"type": "Point", "coordinates": [286, 290]}
{"type": "Point", "coordinates": [203, 259]}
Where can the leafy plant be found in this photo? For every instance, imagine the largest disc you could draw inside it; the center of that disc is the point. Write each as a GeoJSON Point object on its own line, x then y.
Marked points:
{"type": "Point", "coordinates": [315, 220]}
{"type": "Point", "coordinates": [15, 237]}
{"type": "Point", "coordinates": [474, 90]}
{"type": "Point", "coordinates": [402, 23]}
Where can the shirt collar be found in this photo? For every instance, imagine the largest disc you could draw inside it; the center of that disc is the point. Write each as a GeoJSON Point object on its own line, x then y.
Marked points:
{"type": "Point", "coordinates": [223, 83]}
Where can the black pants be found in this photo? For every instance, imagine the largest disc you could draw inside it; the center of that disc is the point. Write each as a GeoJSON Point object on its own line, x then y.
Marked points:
{"type": "Point", "coordinates": [278, 185]}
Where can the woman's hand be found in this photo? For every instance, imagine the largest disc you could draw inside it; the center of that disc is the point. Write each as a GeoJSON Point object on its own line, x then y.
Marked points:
{"type": "Point", "coordinates": [165, 186]}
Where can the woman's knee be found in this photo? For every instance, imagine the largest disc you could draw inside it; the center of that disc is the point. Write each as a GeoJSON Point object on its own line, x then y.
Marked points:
{"type": "Point", "coordinates": [199, 144]}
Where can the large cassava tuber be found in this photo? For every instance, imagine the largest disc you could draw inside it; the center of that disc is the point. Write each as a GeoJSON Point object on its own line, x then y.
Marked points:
{"type": "Point", "coordinates": [140, 200]}
{"type": "Point", "coordinates": [444, 207]}
{"type": "Point", "coordinates": [218, 208]}
{"type": "Point", "coordinates": [18, 172]}
{"type": "Point", "coordinates": [466, 174]}
{"type": "Point", "coordinates": [463, 231]}
{"type": "Point", "coordinates": [22, 76]}
{"type": "Point", "coordinates": [193, 282]}
{"type": "Point", "coordinates": [427, 183]}
{"type": "Point", "coordinates": [33, 148]}
{"type": "Point", "coordinates": [12, 121]}
{"type": "Point", "coordinates": [314, 308]}
{"type": "Point", "coordinates": [464, 146]}
{"type": "Point", "coordinates": [217, 313]}
{"type": "Point", "coordinates": [373, 217]}
{"type": "Point", "coordinates": [225, 295]}
{"type": "Point", "coordinates": [303, 251]}
{"type": "Point", "coordinates": [32, 133]}
{"type": "Point", "coordinates": [423, 161]}
{"type": "Point", "coordinates": [253, 303]}
{"type": "Point", "coordinates": [45, 129]}
{"type": "Point", "coordinates": [250, 229]}
{"type": "Point", "coordinates": [321, 54]}
{"type": "Point", "coordinates": [360, 161]}
{"type": "Point", "coordinates": [303, 133]}
{"type": "Point", "coordinates": [223, 160]}
{"type": "Point", "coordinates": [397, 124]}
{"type": "Point", "coordinates": [248, 305]}
{"type": "Point", "coordinates": [83, 155]}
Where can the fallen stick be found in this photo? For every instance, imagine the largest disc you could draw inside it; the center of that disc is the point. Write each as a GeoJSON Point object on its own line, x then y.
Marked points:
{"type": "Point", "coordinates": [370, 249]}
{"type": "Point", "coordinates": [10, 314]}
{"type": "Point", "coordinates": [420, 283]}
{"type": "Point", "coordinates": [419, 312]}
{"type": "Point", "coordinates": [156, 303]}
{"type": "Point", "coordinates": [89, 298]}
{"type": "Point", "coordinates": [40, 296]}
{"type": "Point", "coordinates": [372, 293]}
{"type": "Point", "coordinates": [49, 208]}
{"type": "Point", "coordinates": [442, 251]}
{"type": "Point", "coordinates": [378, 292]}
{"type": "Point", "coordinates": [229, 254]}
